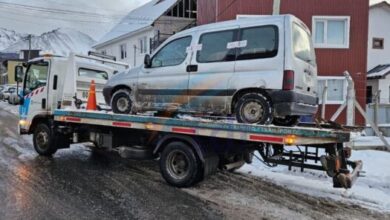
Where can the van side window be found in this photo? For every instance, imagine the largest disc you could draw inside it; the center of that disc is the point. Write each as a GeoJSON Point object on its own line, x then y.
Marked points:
{"type": "Point", "coordinates": [261, 42]}
{"type": "Point", "coordinates": [93, 74]}
{"type": "Point", "coordinates": [36, 77]}
{"type": "Point", "coordinates": [174, 53]}
{"type": "Point", "coordinates": [215, 47]}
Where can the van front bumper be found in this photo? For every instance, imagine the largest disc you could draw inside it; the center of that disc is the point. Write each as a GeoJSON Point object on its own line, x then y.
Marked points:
{"type": "Point", "coordinates": [107, 91]}
{"type": "Point", "coordinates": [291, 103]}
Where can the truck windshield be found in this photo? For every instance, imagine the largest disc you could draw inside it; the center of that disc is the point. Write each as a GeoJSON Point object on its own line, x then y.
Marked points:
{"type": "Point", "coordinates": [303, 46]}
{"type": "Point", "coordinates": [36, 77]}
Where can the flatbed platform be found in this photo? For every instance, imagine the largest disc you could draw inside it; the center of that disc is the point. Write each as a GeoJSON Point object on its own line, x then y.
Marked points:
{"type": "Point", "coordinates": [244, 132]}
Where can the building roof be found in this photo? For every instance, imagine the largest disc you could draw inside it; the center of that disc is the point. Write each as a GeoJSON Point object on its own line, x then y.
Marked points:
{"type": "Point", "coordinates": [379, 71]}
{"type": "Point", "coordinates": [381, 4]}
{"type": "Point", "coordinates": [138, 19]}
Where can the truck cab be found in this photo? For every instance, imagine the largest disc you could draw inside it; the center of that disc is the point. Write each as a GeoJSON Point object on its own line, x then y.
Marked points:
{"type": "Point", "coordinates": [54, 82]}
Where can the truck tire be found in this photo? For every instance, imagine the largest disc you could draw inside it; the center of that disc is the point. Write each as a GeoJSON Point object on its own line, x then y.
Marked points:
{"type": "Point", "coordinates": [179, 165]}
{"type": "Point", "coordinates": [254, 108]}
{"type": "Point", "coordinates": [44, 141]}
{"type": "Point", "coordinates": [121, 102]}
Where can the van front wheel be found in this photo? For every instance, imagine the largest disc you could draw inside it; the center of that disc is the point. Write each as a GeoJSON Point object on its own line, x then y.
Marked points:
{"type": "Point", "coordinates": [254, 108]}
{"type": "Point", "coordinates": [121, 102]}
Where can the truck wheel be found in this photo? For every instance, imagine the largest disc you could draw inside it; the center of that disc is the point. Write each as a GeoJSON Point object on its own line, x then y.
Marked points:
{"type": "Point", "coordinates": [286, 121]}
{"type": "Point", "coordinates": [179, 165]}
{"type": "Point", "coordinates": [254, 108]}
{"type": "Point", "coordinates": [121, 102]}
{"type": "Point", "coordinates": [43, 140]}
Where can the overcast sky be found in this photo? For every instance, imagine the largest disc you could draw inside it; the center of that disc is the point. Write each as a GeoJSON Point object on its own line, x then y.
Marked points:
{"type": "Point", "coordinates": [94, 17]}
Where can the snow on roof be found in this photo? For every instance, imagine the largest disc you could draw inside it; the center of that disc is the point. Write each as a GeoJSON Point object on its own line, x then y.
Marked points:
{"type": "Point", "coordinates": [382, 3]}
{"type": "Point", "coordinates": [379, 71]}
{"type": "Point", "coordinates": [139, 18]}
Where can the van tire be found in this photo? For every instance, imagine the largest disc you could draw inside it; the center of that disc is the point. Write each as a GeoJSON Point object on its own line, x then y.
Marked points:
{"type": "Point", "coordinates": [288, 121]}
{"type": "Point", "coordinates": [121, 102]}
{"type": "Point", "coordinates": [43, 140]}
{"type": "Point", "coordinates": [259, 103]}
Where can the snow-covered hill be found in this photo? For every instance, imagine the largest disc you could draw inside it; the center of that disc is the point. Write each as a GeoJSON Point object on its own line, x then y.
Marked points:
{"type": "Point", "coordinates": [9, 37]}
{"type": "Point", "coordinates": [61, 41]}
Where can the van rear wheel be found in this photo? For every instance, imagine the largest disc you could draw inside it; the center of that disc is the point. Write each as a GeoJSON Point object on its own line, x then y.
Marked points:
{"type": "Point", "coordinates": [254, 108]}
{"type": "Point", "coordinates": [121, 102]}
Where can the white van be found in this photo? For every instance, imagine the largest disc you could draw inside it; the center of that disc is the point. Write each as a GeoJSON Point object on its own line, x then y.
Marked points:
{"type": "Point", "coordinates": [260, 70]}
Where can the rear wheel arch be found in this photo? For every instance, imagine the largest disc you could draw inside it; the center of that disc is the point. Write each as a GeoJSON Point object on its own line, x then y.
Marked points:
{"type": "Point", "coordinates": [163, 142]}
{"type": "Point", "coordinates": [243, 92]}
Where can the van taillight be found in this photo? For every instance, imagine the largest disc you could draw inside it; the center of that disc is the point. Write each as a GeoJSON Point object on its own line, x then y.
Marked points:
{"type": "Point", "coordinates": [288, 80]}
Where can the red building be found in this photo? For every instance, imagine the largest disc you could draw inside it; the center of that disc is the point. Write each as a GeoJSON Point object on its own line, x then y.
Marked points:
{"type": "Point", "coordinates": [340, 33]}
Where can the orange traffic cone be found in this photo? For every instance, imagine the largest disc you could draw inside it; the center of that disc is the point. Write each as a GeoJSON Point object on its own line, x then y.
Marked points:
{"type": "Point", "coordinates": [91, 104]}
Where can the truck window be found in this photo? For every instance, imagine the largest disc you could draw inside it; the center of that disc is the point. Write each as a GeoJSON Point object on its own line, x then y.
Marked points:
{"type": "Point", "coordinates": [93, 74]}
{"type": "Point", "coordinates": [215, 47]}
{"type": "Point", "coordinates": [172, 54]}
{"type": "Point", "coordinates": [261, 42]}
{"type": "Point", "coordinates": [302, 45]}
{"type": "Point", "coordinates": [36, 77]}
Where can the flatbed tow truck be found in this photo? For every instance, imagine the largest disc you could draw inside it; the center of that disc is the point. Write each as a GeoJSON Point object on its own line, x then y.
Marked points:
{"type": "Point", "coordinates": [187, 150]}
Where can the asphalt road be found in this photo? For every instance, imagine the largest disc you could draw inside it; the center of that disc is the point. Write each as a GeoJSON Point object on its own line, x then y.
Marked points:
{"type": "Point", "coordinates": [79, 184]}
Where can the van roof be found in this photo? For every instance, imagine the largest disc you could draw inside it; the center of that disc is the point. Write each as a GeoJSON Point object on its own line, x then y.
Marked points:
{"type": "Point", "coordinates": [240, 20]}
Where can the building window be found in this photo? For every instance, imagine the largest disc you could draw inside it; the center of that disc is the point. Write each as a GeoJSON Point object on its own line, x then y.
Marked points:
{"type": "Point", "coordinates": [369, 94]}
{"type": "Point", "coordinates": [378, 43]}
{"type": "Point", "coordinates": [336, 89]}
{"type": "Point", "coordinates": [331, 31]}
{"type": "Point", "coordinates": [143, 45]}
{"type": "Point", "coordinates": [123, 50]}
{"type": "Point", "coordinates": [104, 52]}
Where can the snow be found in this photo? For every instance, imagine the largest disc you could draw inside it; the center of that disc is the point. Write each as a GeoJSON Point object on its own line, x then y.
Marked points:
{"type": "Point", "coordinates": [138, 19]}
{"type": "Point", "coordinates": [60, 41]}
{"type": "Point", "coordinates": [372, 191]}
{"type": "Point", "coordinates": [9, 37]}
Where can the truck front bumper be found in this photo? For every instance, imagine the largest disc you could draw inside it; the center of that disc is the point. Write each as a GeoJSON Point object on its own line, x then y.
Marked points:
{"type": "Point", "coordinates": [292, 103]}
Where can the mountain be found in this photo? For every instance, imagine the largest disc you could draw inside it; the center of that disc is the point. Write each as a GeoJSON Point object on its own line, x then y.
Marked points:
{"type": "Point", "coordinates": [9, 37]}
{"type": "Point", "coordinates": [61, 41]}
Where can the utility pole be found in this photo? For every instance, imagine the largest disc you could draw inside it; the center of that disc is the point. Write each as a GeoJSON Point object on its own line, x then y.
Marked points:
{"type": "Point", "coordinates": [29, 46]}
{"type": "Point", "coordinates": [276, 7]}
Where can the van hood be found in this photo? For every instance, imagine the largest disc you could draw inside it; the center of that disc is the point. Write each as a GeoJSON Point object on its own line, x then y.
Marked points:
{"type": "Point", "coordinates": [124, 77]}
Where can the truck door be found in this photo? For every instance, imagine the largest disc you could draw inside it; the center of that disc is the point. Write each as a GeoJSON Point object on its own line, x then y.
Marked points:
{"type": "Point", "coordinates": [35, 91]}
{"type": "Point", "coordinates": [212, 67]}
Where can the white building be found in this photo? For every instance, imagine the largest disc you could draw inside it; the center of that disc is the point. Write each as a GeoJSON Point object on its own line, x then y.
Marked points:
{"type": "Point", "coordinates": [145, 28]}
{"type": "Point", "coordinates": [378, 60]}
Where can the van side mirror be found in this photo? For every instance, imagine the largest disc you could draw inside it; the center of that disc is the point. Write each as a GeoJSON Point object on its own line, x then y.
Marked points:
{"type": "Point", "coordinates": [19, 73]}
{"type": "Point", "coordinates": [147, 61]}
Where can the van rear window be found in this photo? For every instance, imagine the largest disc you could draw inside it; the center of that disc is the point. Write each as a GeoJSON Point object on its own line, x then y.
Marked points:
{"type": "Point", "coordinates": [302, 45]}
{"type": "Point", "coordinates": [261, 42]}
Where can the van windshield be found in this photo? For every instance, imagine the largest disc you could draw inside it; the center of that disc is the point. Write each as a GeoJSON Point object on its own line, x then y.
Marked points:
{"type": "Point", "coordinates": [302, 45]}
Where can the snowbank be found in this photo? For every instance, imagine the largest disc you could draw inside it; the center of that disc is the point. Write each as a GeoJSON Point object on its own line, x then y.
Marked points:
{"type": "Point", "coordinates": [372, 191]}
{"type": "Point", "coordinates": [4, 106]}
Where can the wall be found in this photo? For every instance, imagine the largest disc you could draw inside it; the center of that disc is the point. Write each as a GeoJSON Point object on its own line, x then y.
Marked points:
{"type": "Point", "coordinates": [379, 28]}
{"type": "Point", "coordinates": [384, 85]}
{"type": "Point", "coordinates": [331, 62]}
{"type": "Point", "coordinates": [114, 48]}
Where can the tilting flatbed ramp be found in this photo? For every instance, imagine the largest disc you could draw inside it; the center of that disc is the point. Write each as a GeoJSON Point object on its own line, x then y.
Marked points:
{"type": "Point", "coordinates": [255, 133]}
